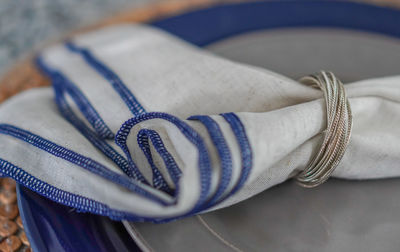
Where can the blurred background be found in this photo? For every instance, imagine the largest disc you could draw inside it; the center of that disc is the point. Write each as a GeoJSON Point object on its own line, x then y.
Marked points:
{"type": "Point", "coordinates": [26, 23]}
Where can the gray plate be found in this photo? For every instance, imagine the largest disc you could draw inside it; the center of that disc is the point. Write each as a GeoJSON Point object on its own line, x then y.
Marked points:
{"type": "Point", "coordinates": [337, 216]}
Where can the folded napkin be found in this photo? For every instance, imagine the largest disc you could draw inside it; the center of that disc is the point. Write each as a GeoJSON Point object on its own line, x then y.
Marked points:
{"type": "Point", "coordinates": [140, 125]}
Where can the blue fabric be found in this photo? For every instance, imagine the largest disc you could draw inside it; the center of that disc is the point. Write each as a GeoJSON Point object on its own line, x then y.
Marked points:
{"type": "Point", "coordinates": [245, 148]}
{"type": "Point", "coordinates": [77, 159]}
{"type": "Point", "coordinates": [223, 152]}
{"type": "Point", "coordinates": [204, 164]}
{"type": "Point", "coordinates": [159, 181]}
{"type": "Point", "coordinates": [126, 95]}
{"type": "Point", "coordinates": [90, 113]}
{"type": "Point", "coordinates": [60, 84]}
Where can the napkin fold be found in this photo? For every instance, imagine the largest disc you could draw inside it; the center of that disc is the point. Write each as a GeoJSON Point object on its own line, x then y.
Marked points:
{"type": "Point", "coordinates": [143, 126]}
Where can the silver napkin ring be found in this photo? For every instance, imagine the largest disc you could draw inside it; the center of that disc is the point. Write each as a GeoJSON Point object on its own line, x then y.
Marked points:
{"type": "Point", "coordinates": [337, 133]}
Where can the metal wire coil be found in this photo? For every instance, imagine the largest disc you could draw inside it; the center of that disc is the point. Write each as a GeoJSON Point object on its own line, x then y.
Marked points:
{"type": "Point", "coordinates": [337, 133]}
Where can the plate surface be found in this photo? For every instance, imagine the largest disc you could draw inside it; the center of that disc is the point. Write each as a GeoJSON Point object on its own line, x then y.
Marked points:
{"type": "Point", "coordinates": [340, 214]}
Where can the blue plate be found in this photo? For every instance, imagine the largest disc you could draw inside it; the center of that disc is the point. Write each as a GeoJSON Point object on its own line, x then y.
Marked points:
{"type": "Point", "coordinates": [54, 227]}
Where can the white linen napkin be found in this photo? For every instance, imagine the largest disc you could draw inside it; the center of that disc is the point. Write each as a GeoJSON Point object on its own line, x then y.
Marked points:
{"type": "Point", "coordinates": [140, 125]}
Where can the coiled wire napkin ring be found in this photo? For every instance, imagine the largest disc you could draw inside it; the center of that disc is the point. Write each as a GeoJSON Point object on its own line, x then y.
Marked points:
{"type": "Point", "coordinates": [337, 133]}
